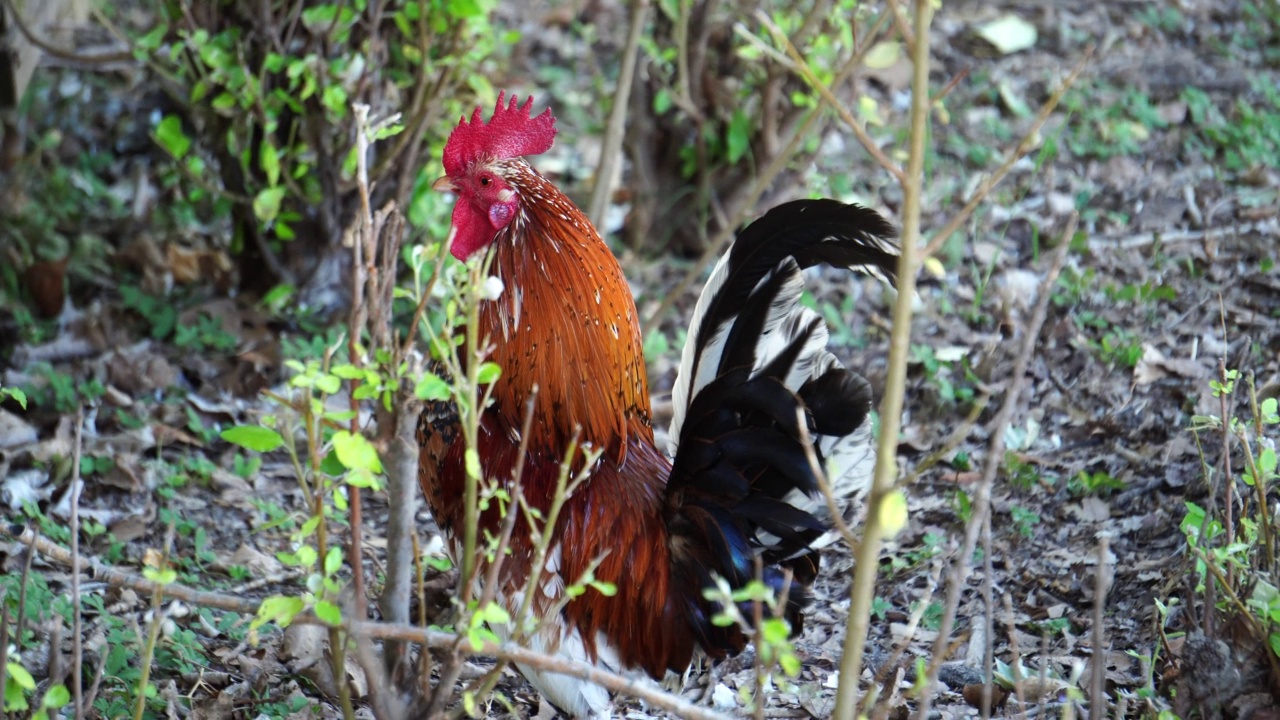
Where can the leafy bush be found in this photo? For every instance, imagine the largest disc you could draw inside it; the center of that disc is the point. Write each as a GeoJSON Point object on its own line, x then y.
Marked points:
{"type": "Point", "coordinates": [261, 128]}
{"type": "Point", "coordinates": [717, 105]}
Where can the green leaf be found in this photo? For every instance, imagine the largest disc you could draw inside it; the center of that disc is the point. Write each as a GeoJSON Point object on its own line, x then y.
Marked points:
{"type": "Point", "coordinates": [355, 452]}
{"type": "Point", "coordinates": [333, 561]}
{"type": "Point", "coordinates": [360, 479]}
{"type": "Point", "coordinates": [253, 437]}
{"type": "Point", "coordinates": [775, 631]}
{"type": "Point", "coordinates": [472, 462]}
{"type": "Point", "coordinates": [224, 102]}
{"type": "Point", "coordinates": [319, 15]}
{"type": "Point", "coordinates": [274, 63]}
{"type": "Point", "coordinates": [656, 344]}
{"type": "Point", "coordinates": [607, 589]}
{"type": "Point", "coordinates": [169, 135]}
{"type": "Point", "coordinates": [328, 612]}
{"type": "Point", "coordinates": [329, 384]}
{"type": "Point", "coordinates": [17, 395]}
{"type": "Point", "coordinates": [20, 676]}
{"type": "Point", "coordinates": [431, 387]}
{"type": "Point", "coordinates": [306, 556]}
{"type": "Point", "coordinates": [893, 513]}
{"type": "Point", "coordinates": [309, 526]}
{"type": "Point", "coordinates": [662, 102]}
{"type": "Point", "coordinates": [335, 99]}
{"type": "Point", "coordinates": [722, 620]}
{"type": "Point", "coordinates": [347, 371]}
{"type": "Point", "coordinates": [167, 576]}
{"type": "Point", "coordinates": [488, 372]}
{"type": "Point", "coordinates": [790, 664]}
{"type": "Point", "coordinates": [278, 609]}
{"type": "Point", "coordinates": [1269, 408]}
{"type": "Point", "coordinates": [388, 131]}
{"type": "Point", "coordinates": [149, 43]}
{"type": "Point", "coordinates": [270, 160]}
{"type": "Point", "coordinates": [331, 465]}
{"type": "Point", "coordinates": [463, 9]}
{"type": "Point", "coordinates": [495, 614]}
{"type": "Point", "coordinates": [266, 205]}
{"type": "Point", "coordinates": [56, 697]}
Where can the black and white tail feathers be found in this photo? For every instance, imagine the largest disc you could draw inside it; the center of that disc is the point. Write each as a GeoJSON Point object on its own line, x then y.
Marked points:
{"type": "Point", "coordinates": [741, 484]}
{"type": "Point", "coordinates": [755, 289]}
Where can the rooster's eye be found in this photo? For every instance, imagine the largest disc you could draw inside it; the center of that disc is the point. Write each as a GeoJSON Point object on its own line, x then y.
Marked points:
{"type": "Point", "coordinates": [485, 180]}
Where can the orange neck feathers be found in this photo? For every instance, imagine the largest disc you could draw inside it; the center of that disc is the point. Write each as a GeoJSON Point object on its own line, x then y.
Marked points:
{"type": "Point", "coordinates": [565, 322]}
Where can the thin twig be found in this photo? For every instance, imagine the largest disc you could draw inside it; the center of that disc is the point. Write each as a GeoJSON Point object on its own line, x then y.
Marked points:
{"type": "Point", "coordinates": [427, 289]}
{"type": "Point", "coordinates": [1228, 478]}
{"type": "Point", "coordinates": [153, 627]}
{"type": "Point", "coordinates": [4, 641]}
{"type": "Point", "coordinates": [908, 634]}
{"type": "Point", "coordinates": [988, 620]}
{"type": "Point", "coordinates": [1101, 585]}
{"type": "Point", "coordinates": [611, 145]}
{"type": "Point", "coordinates": [1025, 145]}
{"type": "Point", "coordinates": [362, 261]}
{"type": "Point", "coordinates": [1260, 480]}
{"type": "Point", "coordinates": [824, 485]}
{"type": "Point", "coordinates": [58, 52]}
{"type": "Point", "coordinates": [1269, 228]}
{"type": "Point", "coordinates": [22, 599]}
{"type": "Point", "coordinates": [77, 642]}
{"type": "Point", "coordinates": [953, 440]}
{"type": "Point", "coordinates": [800, 66]}
{"type": "Point", "coordinates": [995, 456]}
{"type": "Point", "coordinates": [866, 566]}
{"type": "Point", "coordinates": [494, 574]}
{"type": "Point", "coordinates": [1015, 653]}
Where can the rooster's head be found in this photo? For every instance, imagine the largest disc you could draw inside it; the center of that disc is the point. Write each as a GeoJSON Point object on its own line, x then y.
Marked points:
{"type": "Point", "coordinates": [475, 160]}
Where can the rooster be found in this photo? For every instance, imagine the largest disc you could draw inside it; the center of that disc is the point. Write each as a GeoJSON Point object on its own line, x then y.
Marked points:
{"type": "Point", "coordinates": [738, 497]}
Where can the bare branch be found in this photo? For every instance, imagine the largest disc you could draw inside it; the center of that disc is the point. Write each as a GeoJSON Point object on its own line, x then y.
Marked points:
{"type": "Point", "coordinates": [641, 689]}
{"type": "Point", "coordinates": [611, 146]}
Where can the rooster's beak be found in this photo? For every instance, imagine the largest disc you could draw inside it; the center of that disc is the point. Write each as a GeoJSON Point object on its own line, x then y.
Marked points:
{"type": "Point", "coordinates": [444, 184]}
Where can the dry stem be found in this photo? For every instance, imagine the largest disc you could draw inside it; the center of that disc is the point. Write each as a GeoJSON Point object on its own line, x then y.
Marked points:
{"type": "Point", "coordinates": [882, 485]}
{"type": "Point", "coordinates": [611, 146]}
{"type": "Point", "coordinates": [1101, 585]}
{"type": "Point", "coordinates": [77, 642]}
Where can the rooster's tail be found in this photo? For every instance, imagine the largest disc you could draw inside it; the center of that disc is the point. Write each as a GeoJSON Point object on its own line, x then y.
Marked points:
{"type": "Point", "coordinates": [755, 365]}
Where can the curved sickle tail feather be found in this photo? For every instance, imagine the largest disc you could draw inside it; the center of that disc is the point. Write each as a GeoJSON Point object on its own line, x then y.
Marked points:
{"type": "Point", "coordinates": [754, 366]}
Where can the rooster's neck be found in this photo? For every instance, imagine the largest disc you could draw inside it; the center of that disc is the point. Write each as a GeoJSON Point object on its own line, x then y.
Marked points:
{"type": "Point", "coordinates": [566, 322]}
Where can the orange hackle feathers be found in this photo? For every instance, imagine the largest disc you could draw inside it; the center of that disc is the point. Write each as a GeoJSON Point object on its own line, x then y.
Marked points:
{"type": "Point", "coordinates": [580, 345]}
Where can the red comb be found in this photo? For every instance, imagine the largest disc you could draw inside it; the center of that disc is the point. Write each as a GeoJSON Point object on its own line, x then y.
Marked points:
{"type": "Point", "coordinates": [509, 133]}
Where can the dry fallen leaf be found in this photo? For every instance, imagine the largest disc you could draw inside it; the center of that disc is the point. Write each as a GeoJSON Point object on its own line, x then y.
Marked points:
{"type": "Point", "coordinates": [46, 281]}
{"type": "Point", "coordinates": [1153, 366]}
{"type": "Point", "coordinates": [1009, 34]}
{"type": "Point", "coordinates": [14, 431]}
{"type": "Point", "coordinates": [24, 486]}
